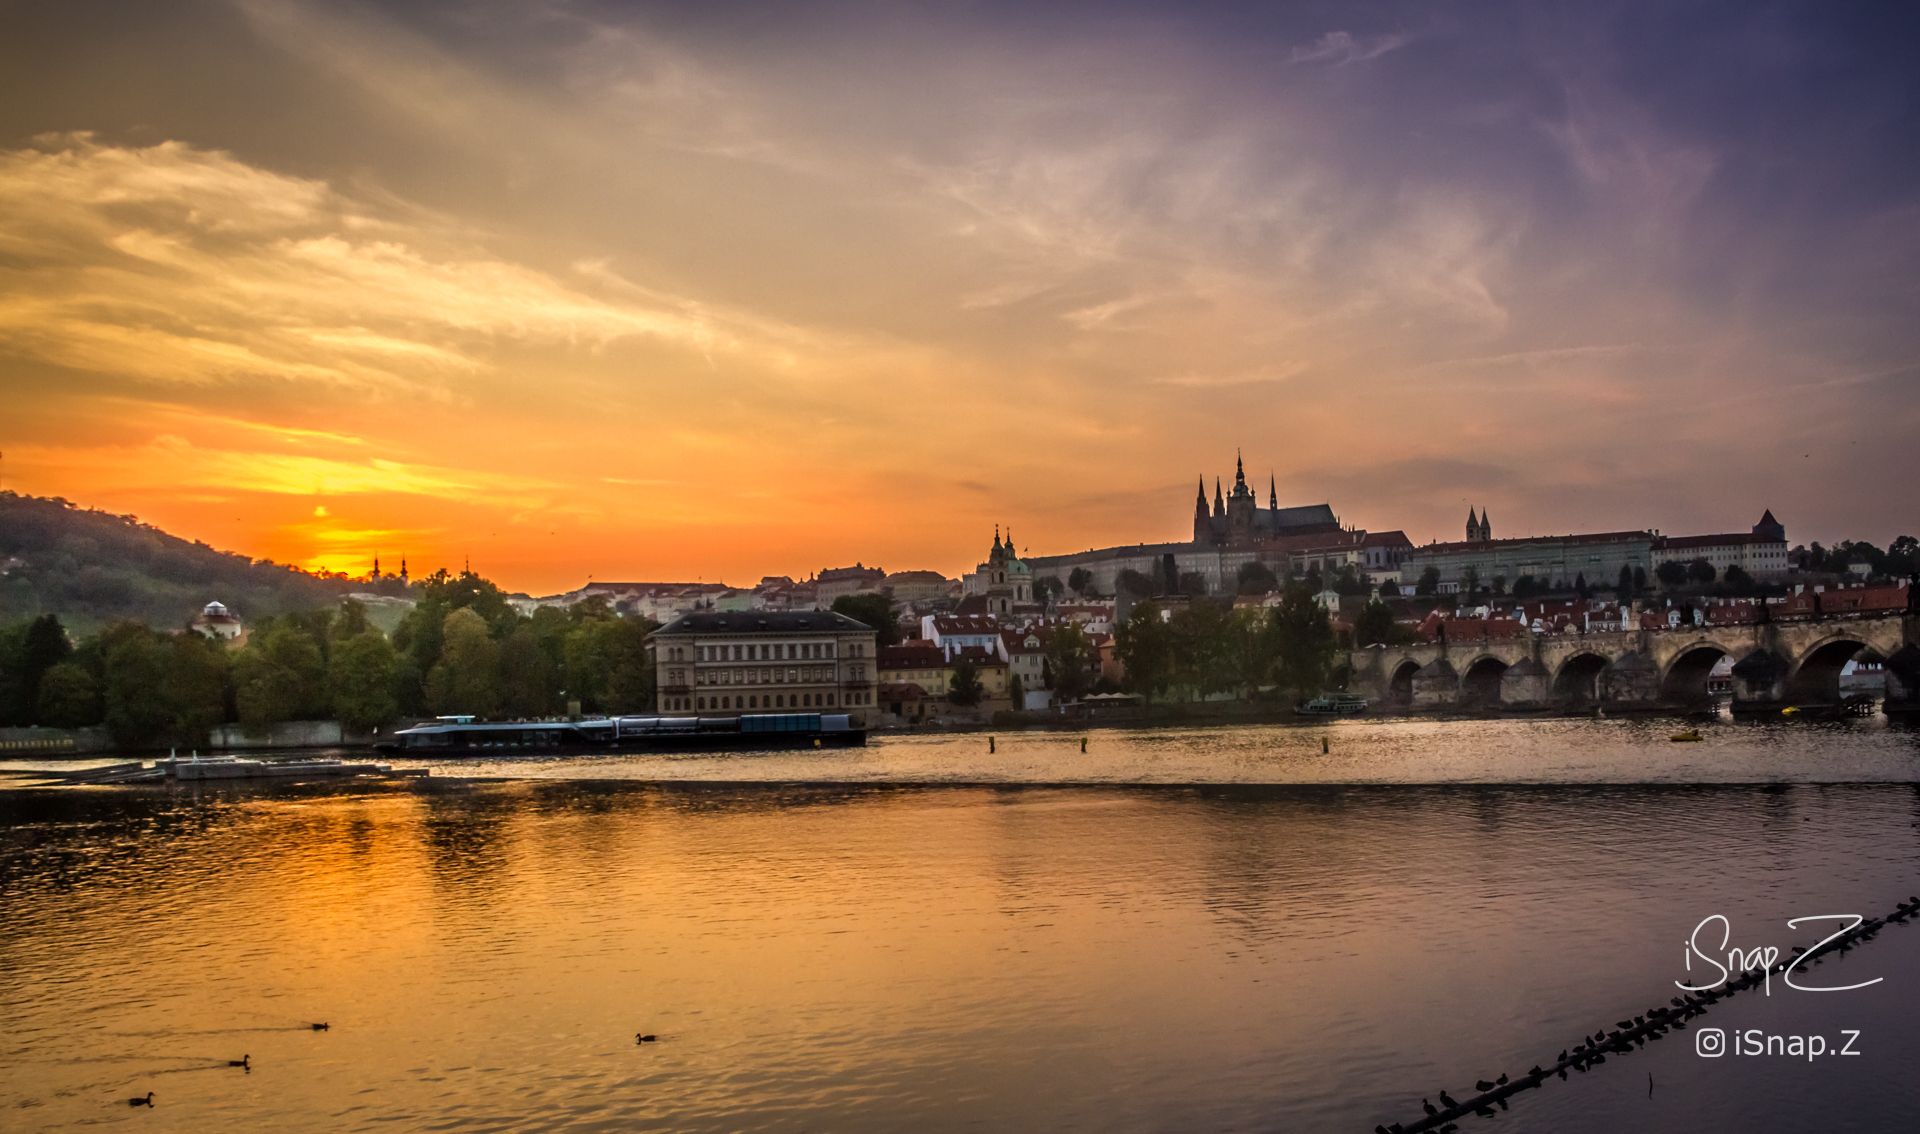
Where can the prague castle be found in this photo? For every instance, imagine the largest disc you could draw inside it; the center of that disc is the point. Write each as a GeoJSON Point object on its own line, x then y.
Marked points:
{"type": "Point", "coordinates": [1237, 520]}
{"type": "Point", "coordinates": [1231, 533]}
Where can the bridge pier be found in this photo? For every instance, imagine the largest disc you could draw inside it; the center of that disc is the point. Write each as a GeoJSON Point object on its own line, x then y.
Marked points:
{"type": "Point", "coordinates": [1903, 682]}
{"type": "Point", "coordinates": [1525, 685]}
{"type": "Point", "coordinates": [1437, 685]}
{"type": "Point", "coordinates": [1632, 681]}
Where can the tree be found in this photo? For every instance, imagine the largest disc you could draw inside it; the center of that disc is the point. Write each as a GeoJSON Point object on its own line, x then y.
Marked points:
{"type": "Point", "coordinates": [1144, 644]}
{"type": "Point", "coordinates": [1374, 625]}
{"type": "Point", "coordinates": [1623, 586]}
{"type": "Point", "coordinates": [1203, 647]}
{"type": "Point", "coordinates": [69, 697]}
{"type": "Point", "coordinates": [360, 681]}
{"type": "Point", "coordinates": [134, 661]}
{"type": "Point", "coordinates": [1134, 583]}
{"type": "Point", "coordinates": [1470, 581]}
{"type": "Point", "coordinates": [1194, 585]}
{"type": "Point", "coordinates": [1903, 556]}
{"type": "Point", "coordinates": [1047, 589]}
{"type": "Point", "coordinates": [280, 676]}
{"type": "Point", "coordinates": [529, 681]}
{"type": "Point", "coordinates": [349, 621]}
{"type": "Point", "coordinates": [1737, 580]}
{"type": "Point", "coordinates": [1017, 691]}
{"type": "Point", "coordinates": [1348, 581]}
{"type": "Point", "coordinates": [1639, 580]}
{"type": "Point", "coordinates": [1429, 582]}
{"type": "Point", "coordinates": [1525, 587]}
{"type": "Point", "coordinates": [630, 681]}
{"type": "Point", "coordinates": [1671, 574]}
{"type": "Point", "coordinates": [1079, 579]}
{"type": "Point", "coordinates": [1389, 589]}
{"type": "Point", "coordinates": [43, 646]}
{"type": "Point", "coordinates": [193, 689]}
{"type": "Point", "coordinates": [1256, 578]}
{"type": "Point", "coordinates": [1068, 658]}
{"type": "Point", "coordinates": [965, 688]}
{"type": "Point", "coordinates": [1701, 572]}
{"type": "Point", "coordinates": [874, 610]}
{"type": "Point", "coordinates": [1580, 586]}
{"type": "Point", "coordinates": [1300, 642]}
{"type": "Point", "coordinates": [466, 678]}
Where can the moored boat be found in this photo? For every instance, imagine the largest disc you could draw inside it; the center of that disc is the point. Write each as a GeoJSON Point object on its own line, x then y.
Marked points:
{"type": "Point", "coordinates": [468, 737]}
{"type": "Point", "coordinates": [1332, 705]}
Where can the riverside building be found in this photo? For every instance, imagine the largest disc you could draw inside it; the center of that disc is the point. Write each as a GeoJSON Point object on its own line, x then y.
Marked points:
{"type": "Point", "coordinates": [762, 661]}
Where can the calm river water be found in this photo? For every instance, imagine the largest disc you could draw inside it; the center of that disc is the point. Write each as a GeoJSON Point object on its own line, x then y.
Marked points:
{"type": "Point", "coordinates": [1251, 937]}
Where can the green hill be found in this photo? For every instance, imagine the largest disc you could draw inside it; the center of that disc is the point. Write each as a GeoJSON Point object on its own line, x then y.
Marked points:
{"type": "Point", "coordinates": [92, 568]}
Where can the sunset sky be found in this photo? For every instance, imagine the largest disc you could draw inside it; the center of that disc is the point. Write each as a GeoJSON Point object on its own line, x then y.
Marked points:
{"type": "Point", "coordinates": [718, 290]}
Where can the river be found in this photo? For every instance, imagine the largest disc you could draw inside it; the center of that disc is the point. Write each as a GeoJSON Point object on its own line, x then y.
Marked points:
{"type": "Point", "coordinates": [1206, 929]}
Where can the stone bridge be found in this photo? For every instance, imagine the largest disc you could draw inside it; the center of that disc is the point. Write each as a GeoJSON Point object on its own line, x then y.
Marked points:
{"type": "Point", "coordinates": [1775, 664]}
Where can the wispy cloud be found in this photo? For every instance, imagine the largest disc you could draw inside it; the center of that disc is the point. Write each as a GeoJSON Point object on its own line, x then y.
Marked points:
{"type": "Point", "coordinates": [1339, 48]}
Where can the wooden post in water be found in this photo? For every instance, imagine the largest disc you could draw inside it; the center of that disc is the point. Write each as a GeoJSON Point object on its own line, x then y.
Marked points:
{"type": "Point", "coordinates": [990, 748]}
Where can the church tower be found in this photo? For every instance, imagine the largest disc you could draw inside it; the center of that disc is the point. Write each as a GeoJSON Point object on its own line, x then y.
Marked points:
{"type": "Point", "coordinates": [1241, 505]}
{"type": "Point", "coordinates": [1202, 528]}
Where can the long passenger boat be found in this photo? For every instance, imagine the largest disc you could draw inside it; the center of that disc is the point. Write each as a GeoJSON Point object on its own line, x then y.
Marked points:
{"type": "Point", "coordinates": [464, 736]}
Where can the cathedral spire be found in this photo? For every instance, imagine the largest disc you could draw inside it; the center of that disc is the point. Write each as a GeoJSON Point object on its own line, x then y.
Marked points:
{"type": "Point", "coordinates": [1219, 505]}
{"type": "Point", "coordinates": [1273, 493]}
{"type": "Point", "coordinates": [1473, 524]}
{"type": "Point", "coordinates": [996, 537]}
{"type": "Point", "coordinates": [1239, 470]}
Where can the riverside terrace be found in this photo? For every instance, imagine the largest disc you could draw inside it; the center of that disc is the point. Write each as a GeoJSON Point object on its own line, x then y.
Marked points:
{"type": "Point", "coordinates": [1776, 664]}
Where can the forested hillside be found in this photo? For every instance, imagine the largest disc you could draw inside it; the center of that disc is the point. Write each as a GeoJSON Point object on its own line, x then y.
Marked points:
{"type": "Point", "coordinates": [93, 568]}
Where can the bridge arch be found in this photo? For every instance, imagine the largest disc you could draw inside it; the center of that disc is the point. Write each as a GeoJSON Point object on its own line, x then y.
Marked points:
{"type": "Point", "coordinates": [1815, 677]}
{"type": "Point", "coordinates": [1580, 681]}
{"type": "Point", "coordinates": [1400, 683]}
{"type": "Point", "coordinates": [1480, 683]}
{"type": "Point", "coordinates": [1685, 681]}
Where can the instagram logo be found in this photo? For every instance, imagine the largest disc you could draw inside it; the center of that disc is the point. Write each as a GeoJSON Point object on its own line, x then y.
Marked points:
{"type": "Point", "coordinates": [1710, 1043]}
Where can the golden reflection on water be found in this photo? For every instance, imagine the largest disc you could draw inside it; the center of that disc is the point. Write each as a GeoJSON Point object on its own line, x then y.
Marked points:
{"type": "Point", "coordinates": [874, 958]}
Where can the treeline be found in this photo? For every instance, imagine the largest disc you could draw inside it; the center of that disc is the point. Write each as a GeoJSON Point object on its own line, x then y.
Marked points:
{"type": "Point", "coordinates": [94, 568]}
{"type": "Point", "coordinates": [1206, 647]}
{"type": "Point", "coordinates": [462, 649]}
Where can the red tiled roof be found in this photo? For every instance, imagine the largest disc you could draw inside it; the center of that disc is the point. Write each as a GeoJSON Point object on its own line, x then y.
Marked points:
{"type": "Point", "coordinates": [910, 655]}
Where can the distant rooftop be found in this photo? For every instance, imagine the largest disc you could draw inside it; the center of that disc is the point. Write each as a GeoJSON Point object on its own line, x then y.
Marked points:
{"type": "Point", "coordinates": [763, 622]}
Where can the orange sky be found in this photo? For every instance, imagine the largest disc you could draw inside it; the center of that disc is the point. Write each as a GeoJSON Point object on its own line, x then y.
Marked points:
{"type": "Point", "coordinates": [576, 294]}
